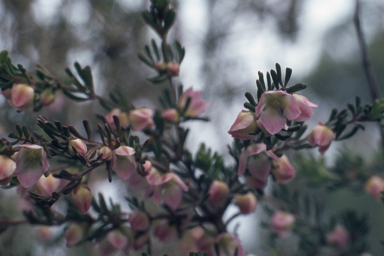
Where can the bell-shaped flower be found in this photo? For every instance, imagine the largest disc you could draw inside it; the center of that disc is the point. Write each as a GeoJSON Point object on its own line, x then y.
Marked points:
{"type": "Point", "coordinates": [229, 245]}
{"type": "Point", "coordinates": [47, 185]}
{"type": "Point", "coordinates": [171, 115]}
{"type": "Point", "coordinates": [31, 163]}
{"type": "Point", "coordinates": [82, 198]}
{"type": "Point", "coordinates": [7, 168]}
{"type": "Point", "coordinates": [305, 106]}
{"type": "Point", "coordinates": [79, 145]}
{"type": "Point", "coordinates": [196, 106]}
{"type": "Point", "coordinates": [244, 124]}
{"type": "Point", "coordinates": [321, 136]}
{"type": "Point", "coordinates": [282, 223]}
{"type": "Point", "coordinates": [141, 118]}
{"type": "Point", "coordinates": [106, 152]}
{"type": "Point", "coordinates": [22, 96]}
{"type": "Point", "coordinates": [218, 193]}
{"type": "Point", "coordinates": [139, 220]}
{"type": "Point", "coordinates": [247, 203]}
{"type": "Point", "coordinates": [169, 189]}
{"type": "Point", "coordinates": [139, 185]}
{"type": "Point", "coordinates": [339, 237]}
{"type": "Point", "coordinates": [282, 170]}
{"type": "Point", "coordinates": [122, 115]}
{"type": "Point", "coordinates": [115, 241]}
{"type": "Point", "coordinates": [164, 232]}
{"type": "Point", "coordinates": [123, 161]}
{"type": "Point", "coordinates": [254, 182]}
{"type": "Point", "coordinates": [206, 243]}
{"type": "Point", "coordinates": [374, 186]}
{"type": "Point", "coordinates": [74, 233]}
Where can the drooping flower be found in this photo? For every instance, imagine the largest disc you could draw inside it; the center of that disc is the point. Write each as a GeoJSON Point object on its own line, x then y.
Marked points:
{"type": "Point", "coordinates": [139, 220]}
{"type": "Point", "coordinates": [47, 185]}
{"type": "Point", "coordinates": [374, 186]}
{"type": "Point", "coordinates": [123, 161]}
{"type": "Point", "coordinates": [247, 203]}
{"type": "Point", "coordinates": [141, 118]}
{"type": "Point", "coordinates": [114, 241]}
{"type": "Point", "coordinates": [74, 233]}
{"type": "Point", "coordinates": [31, 163]}
{"type": "Point", "coordinates": [164, 232]}
{"type": "Point", "coordinates": [305, 106]}
{"type": "Point", "coordinates": [282, 223]}
{"type": "Point", "coordinates": [229, 245]}
{"type": "Point", "coordinates": [171, 115]}
{"type": "Point", "coordinates": [321, 136]}
{"type": "Point", "coordinates": [218, 193]}
{"type": "Point", "coordinates": [196, 106]}
{"type": "Point", "coordinates": [21, 96]}
{"type": "Point", "coordinates": [244, 124]}
{"type": "Point", "coordinates": [338, 237]}
{"type": "Point", "coordinates": [82, 198]}
{"type": "Point", "coordinates": [122, 115]}
{"type": "Point", "coordinates": [282, 170]}
{"type": "Point", "coordinates": [7, 168]}
{"type": "Point", "coordinates": [79, 145]}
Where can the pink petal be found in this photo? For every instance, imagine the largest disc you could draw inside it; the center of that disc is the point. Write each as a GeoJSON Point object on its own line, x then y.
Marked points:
{"type": "Point", "coordinates": [289, 107]}
{"type": "Point", "coordinates": [272, 120]}
{"type": "Point", "coordinates": [172, 196]}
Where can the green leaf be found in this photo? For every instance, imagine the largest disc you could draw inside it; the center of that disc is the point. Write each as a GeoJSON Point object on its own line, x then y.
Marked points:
{"type": "Point", "coordinates": [275, 79]}
{"type": "Point", "coordinates": [296, 88]}
{"type": "Point", "coordinates": [250, 98]}
{"type": "Point", "coordinates": [148, 52]}
{"type": "Point", "coordinates": [288, 73]}
{"type": "Point", "coordinates": [145, 60]}
{"type": "Point", "coordinates": [279, 75]}
{"type": "Point", "coordinates": [74, 97]}
{"type": "Point", "coordinates": [169, 19]}
{"type": "Point", "coordinates": [155, 49]}
{"type": "Point", "coordinates": [180, 51]}
{"type": "Point", "coordinates": [157, 79]}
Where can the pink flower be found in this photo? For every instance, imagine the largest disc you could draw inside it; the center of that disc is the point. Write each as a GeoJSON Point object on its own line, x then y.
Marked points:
{"type": "Point", "coordinates": [218, 193]}
{"type": "Point", "coordinates": [171, 115]}
{"type": "Point", "coordinates": [123, 161]}
{"type": "Point", "coordinates": [164, 232]}
{"type": "Point", "coordinates": [244, 124]}
{"type": "Point", "coordinates": [282, 170]}
{"type": "Point", "coordinates": [82, 198]}
{"type": "Point", "coordinates": [21, 96]}
{"type": "Point", "coordinates": [257, 167]}
{"type": "Point", "coordinates": [7, 168]}
{"type": "Point", "coordinates": [115, 241]}
{"type": "Point", "coordinates": [139, 220]}
{"type": "Point", "coordinates": [173, 68]}
{"type": "Point", "coordinates": [47, 185]}
{"type": "Point", "coordinates": [229, 244]}
{"type": "Point", "coordinates": [206, 243]}
{"type": "Point", "coordinates": [196, 107]}
{"type": "Point", "coordinates": [321, 136]}
{"type": "Point", "coordinates": [79, 145]}
{"type": "Point", "coordinates": [247, 203]}
{"type": "Point", "coordinates": [374, 186]}
{"type": "Point", "coordinates": [338, 237]}
{"type": "Point", "coordinates": [256, 183]}
{"type": "Point", "coordinates": [282, 223]}
{"type": "Point", "coordinates": [169, 188]}
{"type": "Point", "coordinates": [141, 118]}
{"type": "Point", "coordinates": [276, 107]}
{"type": "Point", "coordinates": [106, 152]}
{"type": "Point", "coordinates": [74, 233]}
{"type": "Point", "coordinates": [47, 97]}
{"type": "Point", "coordinates": [31, 163]}
{"type": "Point", "coordinates": [123, 117]}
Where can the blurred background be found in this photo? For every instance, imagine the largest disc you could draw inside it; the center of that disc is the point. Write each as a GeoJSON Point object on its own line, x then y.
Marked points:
{"type": "Point", "coordinates": [227, 42]}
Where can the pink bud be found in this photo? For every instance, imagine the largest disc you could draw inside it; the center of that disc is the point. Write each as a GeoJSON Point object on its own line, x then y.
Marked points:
{"type": "Point", "coordinates": [282, 170]}
{"type": "Point", "coordinates": [173, 68]}
{"type": "Point", "coordinates": [196, 106]}
{"type": "Point", "coordinates": [160, 66]}
{"type": "Point", "coordinates": [123, 161]}
{"type": "Point", "coordinates": [147, 166]}
{"type": "Point", "coordinates": [229, 244]}
{"type": "Point", "coordinates": [22, 96]}
{"type": "Point", "coordinates": [7, 168]}
{"type": "Point", "coordinates": [79, 145]}
{"type": "Point", "coordinates": [244, 124]}
{"type": "Point", "coordinates": [47, 185]}
{"type": "Point", "coordinates": [74, 233]}
{"type": "Point", "coordinates": [139, 220]}
{"type": "Point", "coordinates": [123, 118]}
{"type": "Point", "coordinates": [206, 243]}
{"type": "Point", "coordinates": [256, 183]}
{"type": "Point", "coordinates": [282, 223]}
{"type": "Point", "coordinates": [82, 198]}
{"type": "Point", "coordinates": [106, 152]}
{"type": "Point", "coordinates": [321, 136]}
{"type": "Point", "coordinates": [218, 193]}
{"type": "Point", "coordinates": [47, 97]}
{"type": "Point", "coordinates": [247, 203]}
{"type": "Point", "coordinates": [338, 237]}
{"type": "Point", "coordinates": [171, 115]}
{"type": "Point", "coordinates": [164, 232]}
{"type": "Point", "coordinates": [141, 118]}
{"type": "Point", "coordinates": [45, 233]}
{"type": "Point", "coordinates": [31, 163]}
{"type": "Point", "coordinates": [374, 186]}
{"type": "Point", "coordinates": [117, 239]}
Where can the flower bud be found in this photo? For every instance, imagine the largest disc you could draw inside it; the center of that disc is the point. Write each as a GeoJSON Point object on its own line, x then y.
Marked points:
{"type": "Point", "coordinates": [47, 97]}
{"type": "Point", "coordinates": [171, 115]}
{"type": "Point", "coordinates": [321, 136]}
{"type": "Point", "coordinates": [74, 233]}
{"type": "Point", "coordinates": [7, 168]}
{"type": "Point", "coordinates": [247, 203]}
{"type": "Point", "coordinates": [22, 96]}
{"type": "Point", "coordinates": [117, 239]}
{"type": "Point", "coordinates": [139, 220]}
{"type": "Point", "coordinates": [338, 237]}
{"type": "Point", "coordinates": [282, 170]}
{"type": "Point", "coordinates": [164, 232]}
{"type": "Point", "coordinates": [141, 118]}
{"type": "Point", "coordinates": [229, 244]}
{"type": "Point", "coordinates": [282, 223]}
{"type": "Point", "coordinates": [123, 118]}
{"type": "Point", "coordinates": [106, 152]}
{"type": "Point", "coordinates": [374, 186]}
{"type": "Point", "coordinates": [123, 161]}
{"type": "Point", "coordinates": [161, 66]}
{"type": "Point", "coordinates": [79, 145]}
{"type": "Point", "coordinates": [47, 185]}
{"type": "Point", "coordinates": [244, 124]}
{"type": "Point", "coordinates": [173, 68]}
{"type": "Point", "coordinates": [196, 106]}
{"type": "Point", "coordinates": [82, 198]}
{"type": "Point", "coordinates": [218, 193]}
